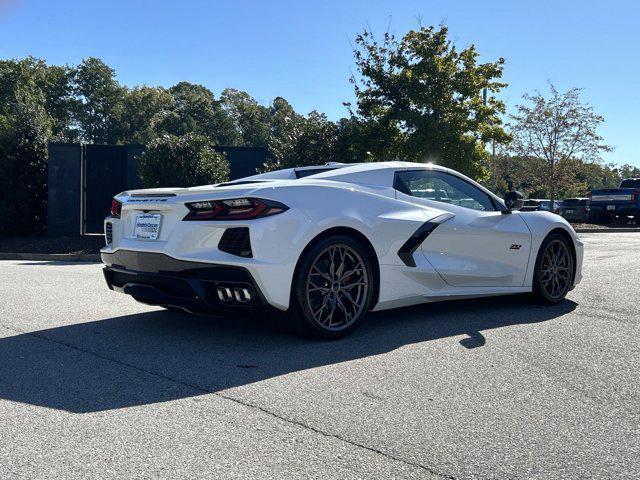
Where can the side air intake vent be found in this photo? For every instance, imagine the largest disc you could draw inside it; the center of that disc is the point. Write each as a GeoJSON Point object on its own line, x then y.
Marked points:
{"type": "Point", "coordinates": [236, 242]}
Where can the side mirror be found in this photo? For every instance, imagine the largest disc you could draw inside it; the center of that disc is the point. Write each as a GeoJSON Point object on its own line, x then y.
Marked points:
{"type": "Point", "coordinates": [513, 200]}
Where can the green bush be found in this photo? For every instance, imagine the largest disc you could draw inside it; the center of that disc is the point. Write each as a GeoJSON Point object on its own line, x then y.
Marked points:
{"type": "Point", "coordinates": [24, 130]}
{"type": "Point", "coordinates": [185, 161]}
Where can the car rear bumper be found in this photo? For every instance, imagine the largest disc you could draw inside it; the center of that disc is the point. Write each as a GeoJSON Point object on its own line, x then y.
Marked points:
{"type": "Point", "coordinates": [618, 209]}
{"type": "Point", "coordinates": [157, 279]}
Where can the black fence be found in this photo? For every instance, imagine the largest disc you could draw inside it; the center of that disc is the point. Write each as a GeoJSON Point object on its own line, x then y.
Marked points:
{"type": "Point", "coordinates": [83, 179]}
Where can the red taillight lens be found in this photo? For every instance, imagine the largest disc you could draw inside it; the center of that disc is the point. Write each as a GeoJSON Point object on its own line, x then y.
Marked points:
{"type": "Point", "coordinates": [116, 208]}
{"type": "Point", "coordinates": [589, 195]}
{"type": "Point", "coordinates": [233, 209]}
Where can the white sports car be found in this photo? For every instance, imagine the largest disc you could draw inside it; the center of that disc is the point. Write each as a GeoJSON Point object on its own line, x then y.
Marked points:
{"type": "Point", "coordinates": [327, 244]}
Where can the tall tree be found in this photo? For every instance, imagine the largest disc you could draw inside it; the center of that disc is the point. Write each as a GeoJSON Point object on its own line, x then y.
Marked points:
{"type": "Point", "coordinates": [556, 129]}
{"type": "Point", "coordinates": [195, 110]}
{"type": "Point", "coordinates": [52, 85]}
{"type": "Point", "coordinates": [100, 101]}
{"type": "Point", "coordinates": [423, 98]}
{"type": "Point", "coordinates": [146, 110]}
{"type": "Point", "coordinates": [251, 119]}
{"type": "Point", "coordinates": [302, 141]}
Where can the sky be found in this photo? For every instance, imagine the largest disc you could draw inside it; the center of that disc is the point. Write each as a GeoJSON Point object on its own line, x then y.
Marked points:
{"type": "Point", "coordinates": [302, 50]}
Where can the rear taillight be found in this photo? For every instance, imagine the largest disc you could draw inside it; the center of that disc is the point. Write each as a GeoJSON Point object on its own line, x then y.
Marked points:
{"type": "Point", "coordinates": [233, 209]}
{"type": "Point", "coordinates": [589, 195]}
{"type": "Point", "coordinates": [116, 208]}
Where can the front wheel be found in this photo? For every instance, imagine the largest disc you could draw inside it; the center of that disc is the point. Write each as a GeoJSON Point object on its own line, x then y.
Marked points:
{"type": "Point", "coordinates": [554, 269]}
{"type": "Point", "coordinates": [333, 288]}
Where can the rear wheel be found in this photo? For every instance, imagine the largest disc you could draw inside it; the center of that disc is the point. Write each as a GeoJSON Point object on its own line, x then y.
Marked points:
{"type": "Point", "coordinates": [554, 269]}
{"type": "Point", "coordinates": [333, 288]}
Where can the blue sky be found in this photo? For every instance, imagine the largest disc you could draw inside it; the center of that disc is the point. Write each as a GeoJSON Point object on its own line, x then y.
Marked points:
{"type": "Point", "coordinates": [301, 50]}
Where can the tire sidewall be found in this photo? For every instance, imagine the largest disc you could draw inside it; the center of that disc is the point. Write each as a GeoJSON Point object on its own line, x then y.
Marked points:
{"type": "Point", "coordinates": [300, 308]}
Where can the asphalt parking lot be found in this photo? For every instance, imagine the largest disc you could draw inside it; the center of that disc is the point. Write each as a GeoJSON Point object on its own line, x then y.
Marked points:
{"type": "Point", "coordinates": [94, 385]}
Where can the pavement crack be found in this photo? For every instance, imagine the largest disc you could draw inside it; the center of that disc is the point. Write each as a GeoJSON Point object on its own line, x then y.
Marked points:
{"type": "Point", "coordinates": [335, 436]}
{"type": "Point", "coordinates": [203, 390]}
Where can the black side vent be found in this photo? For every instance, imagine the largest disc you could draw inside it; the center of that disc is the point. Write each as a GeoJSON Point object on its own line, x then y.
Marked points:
{"type": "Point", "coordinates": [236, 242]}
{"type": "Point", "coordinates": [108, 232]}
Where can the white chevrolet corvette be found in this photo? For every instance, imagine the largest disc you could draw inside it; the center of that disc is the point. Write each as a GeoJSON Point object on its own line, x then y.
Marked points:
{"type": "Point", "coordinates": [327, 244]}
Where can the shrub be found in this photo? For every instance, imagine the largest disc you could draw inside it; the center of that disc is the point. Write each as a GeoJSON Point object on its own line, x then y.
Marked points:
{"type": "Point", "coordinates": [184, 161]}
{"type": "Point", "coordinates": [24, 130]}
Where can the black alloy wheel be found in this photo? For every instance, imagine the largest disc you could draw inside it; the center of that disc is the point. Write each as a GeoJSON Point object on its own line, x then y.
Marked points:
{"type": "Point", "coordinates": [333, 289]}
{"type": "Point", "coordinates": [554, 269]}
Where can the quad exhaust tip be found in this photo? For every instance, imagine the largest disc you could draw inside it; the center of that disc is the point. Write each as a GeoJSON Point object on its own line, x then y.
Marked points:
{"type": "Point", "coordinates": [237, 294]}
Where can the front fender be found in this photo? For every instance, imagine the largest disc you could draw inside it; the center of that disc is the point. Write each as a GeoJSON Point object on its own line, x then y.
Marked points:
{"type": "Point", "coordinates": [541, 224]}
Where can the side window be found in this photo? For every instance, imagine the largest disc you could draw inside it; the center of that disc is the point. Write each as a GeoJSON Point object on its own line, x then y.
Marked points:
{"type": "Point", "coordinates": [442, 187]}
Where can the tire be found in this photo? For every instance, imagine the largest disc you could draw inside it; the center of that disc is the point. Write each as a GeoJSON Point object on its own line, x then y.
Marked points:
{"type": "Point", "coordinates": [554, 270]}
{"type": "Point", "coordinates": [327, 302]}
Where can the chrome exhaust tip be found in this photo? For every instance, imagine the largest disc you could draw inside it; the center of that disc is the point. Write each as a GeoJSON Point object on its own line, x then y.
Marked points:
{"type": "Point", "coordinates": [243, 295]}
{"type": "Point", "coordinates": [224, 294]}
{"type": "Point", "coordinates": [237, 294]}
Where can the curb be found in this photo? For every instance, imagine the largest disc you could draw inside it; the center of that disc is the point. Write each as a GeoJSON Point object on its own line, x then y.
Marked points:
{"type": "Point", "coordinates": [56, 257]}
{"type": "Point", "coordinates": [607, 230]}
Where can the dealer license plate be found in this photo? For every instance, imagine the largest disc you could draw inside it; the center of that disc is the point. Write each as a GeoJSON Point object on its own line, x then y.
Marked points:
{"type": "Point", "coordinates": [611, 207]}
{"type": "Point", "coordinates": [147, 226]}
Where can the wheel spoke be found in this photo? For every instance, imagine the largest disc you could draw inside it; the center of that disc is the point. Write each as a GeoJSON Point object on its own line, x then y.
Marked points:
{"type": "Point", "coordinates": [353, 271]}
{"type": "Point", "coordinates": [318, 312]}
{"type": "Point", "coordinates": [353, 285]}
{"type": "Point", "coordinates": [318, 272]}
{"type": "Point", "coordinates": [337, 287]}
{"type": "Point", "coordinates": [343, 308]}
{"type": "Point", "coordinates": [318, 289]}
{"type": "Point", "coordinates": [555, 269]}
{"type": "Point", "coordinates": [343, 255]}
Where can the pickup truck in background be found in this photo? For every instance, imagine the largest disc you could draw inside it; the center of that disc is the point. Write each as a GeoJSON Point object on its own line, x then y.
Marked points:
{"type": "Point", "coordinates": [609, 205]}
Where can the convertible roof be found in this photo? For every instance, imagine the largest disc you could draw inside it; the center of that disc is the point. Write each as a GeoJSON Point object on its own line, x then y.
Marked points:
{"type": "Point", "coordinates": [371, 173]}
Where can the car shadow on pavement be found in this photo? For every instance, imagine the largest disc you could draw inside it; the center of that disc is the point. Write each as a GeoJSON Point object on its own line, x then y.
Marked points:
{"type": "Point", "coordinates": [160, 356]}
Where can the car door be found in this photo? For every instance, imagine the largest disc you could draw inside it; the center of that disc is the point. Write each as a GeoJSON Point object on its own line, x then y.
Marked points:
{"type": "Point", "coordinates": [479, 246]}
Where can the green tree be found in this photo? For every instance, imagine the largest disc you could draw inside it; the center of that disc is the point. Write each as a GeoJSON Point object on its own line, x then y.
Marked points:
{"type": "Point", "coordinates": [357, 140]}
{"type": "Point", "coordinates": [54, 90]}
{"type": "Point", "coordinates": [184, 161]}
{"type": "Point", "coordinates": [302, 141]}
{"type": "Point", "coordinates": [146, 110]}
{"type": "Point", "coordinates": [423, 99]}
{"type": "Point", "coordinates": [195, 110]}
{"type": "Point", "coordinates": [628, 171]}
{"type": "Point", "coordinates": [25, 128]}
{"type": "Point", "coordinates": [100, 101]}
{"type": "Point", "coordinates": [515, 173]}
{"type": "Point", "coordinates": [251, 120]}
{"type": "Point", "coordinates": [557, 129]}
